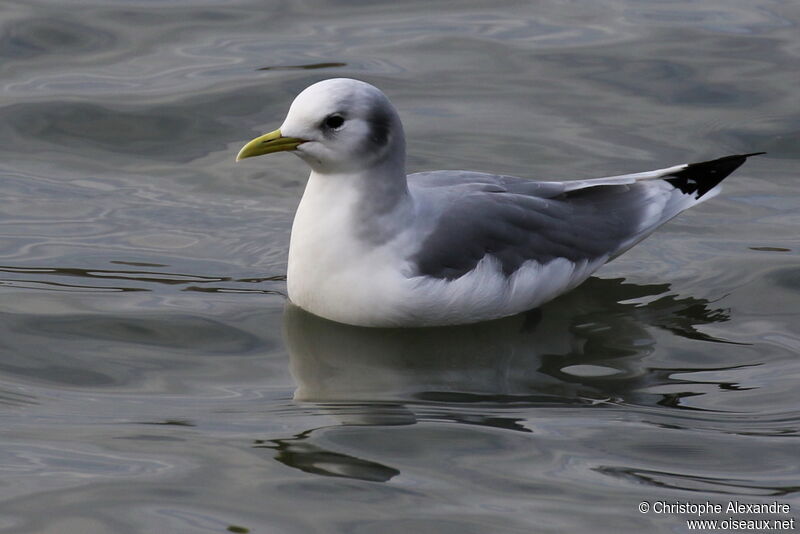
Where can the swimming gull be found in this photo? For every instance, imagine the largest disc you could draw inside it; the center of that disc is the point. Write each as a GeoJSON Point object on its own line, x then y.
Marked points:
{"type": "Point", "coordinates": [371, 246]}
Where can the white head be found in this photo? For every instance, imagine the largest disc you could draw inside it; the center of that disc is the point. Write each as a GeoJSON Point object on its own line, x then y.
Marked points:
{"type": "Point", "coordinates": [337, 126]}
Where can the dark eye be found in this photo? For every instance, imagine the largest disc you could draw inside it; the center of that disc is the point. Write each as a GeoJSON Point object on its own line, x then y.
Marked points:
{"type": "Point", "coordinates": [334, 121]}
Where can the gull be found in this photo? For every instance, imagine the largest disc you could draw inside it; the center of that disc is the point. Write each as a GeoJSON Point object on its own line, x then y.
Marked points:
{"type": "Point", "coordinates": [373, 247]}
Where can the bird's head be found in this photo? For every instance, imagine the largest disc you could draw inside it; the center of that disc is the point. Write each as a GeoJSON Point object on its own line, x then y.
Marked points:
{"type": "Point", "coordinates": [336, 126]}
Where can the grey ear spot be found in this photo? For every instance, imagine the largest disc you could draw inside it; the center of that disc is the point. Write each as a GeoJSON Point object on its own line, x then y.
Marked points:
{"type": "Point", "coordinates": [380, 126]}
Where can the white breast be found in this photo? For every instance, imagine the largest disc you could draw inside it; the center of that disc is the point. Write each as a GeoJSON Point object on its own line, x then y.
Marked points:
{"type": "Point", "coordinates": [334, 273]}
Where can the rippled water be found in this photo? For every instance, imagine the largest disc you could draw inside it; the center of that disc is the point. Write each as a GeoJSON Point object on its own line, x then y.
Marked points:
{"type": "Point", "coordinates": [153, 380]}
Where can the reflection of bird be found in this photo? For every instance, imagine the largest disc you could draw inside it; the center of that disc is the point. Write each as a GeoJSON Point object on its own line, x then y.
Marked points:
{"type": "Point", "coordinates": [584, 345]}
{"type": "Point", "coordinates": [373, 247]}
{"type": "Point", "coordinates": [587, 347]}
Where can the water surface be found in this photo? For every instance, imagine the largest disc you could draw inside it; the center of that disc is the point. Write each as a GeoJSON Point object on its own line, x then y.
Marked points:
{"type": "Point", "coordinates": [153, 378]}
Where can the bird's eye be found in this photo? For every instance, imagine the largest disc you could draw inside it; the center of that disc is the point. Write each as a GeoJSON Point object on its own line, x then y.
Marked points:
{"type": "Point", "coordinates": [334, 121]}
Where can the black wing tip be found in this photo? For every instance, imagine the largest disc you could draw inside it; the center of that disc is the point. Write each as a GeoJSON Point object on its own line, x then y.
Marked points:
{"type": "Point", "coordinates": [702, 177]}
{"type": "Point", "coordinates": [735, 159]}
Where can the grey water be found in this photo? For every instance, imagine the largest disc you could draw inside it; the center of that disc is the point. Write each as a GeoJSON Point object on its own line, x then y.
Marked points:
{"type": "Point", "coordinates": [153, 377]}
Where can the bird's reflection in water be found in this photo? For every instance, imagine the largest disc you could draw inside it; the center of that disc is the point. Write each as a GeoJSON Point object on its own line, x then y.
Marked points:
{"type": "Point", "coordinates": [584, 348]}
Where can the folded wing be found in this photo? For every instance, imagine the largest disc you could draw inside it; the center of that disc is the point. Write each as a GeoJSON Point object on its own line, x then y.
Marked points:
{"type": "Point", "coordinates": [516, 221]}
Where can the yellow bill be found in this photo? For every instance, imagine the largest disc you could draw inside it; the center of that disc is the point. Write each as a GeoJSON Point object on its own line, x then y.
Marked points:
{"type": "Point", "coordinates": [267, 144]}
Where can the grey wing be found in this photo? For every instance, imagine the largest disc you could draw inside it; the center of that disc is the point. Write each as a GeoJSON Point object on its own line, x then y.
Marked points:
{"type": "Point", "coordinates": [514, 228]}
{"type": "Point", "coordinates": [515, 220]}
